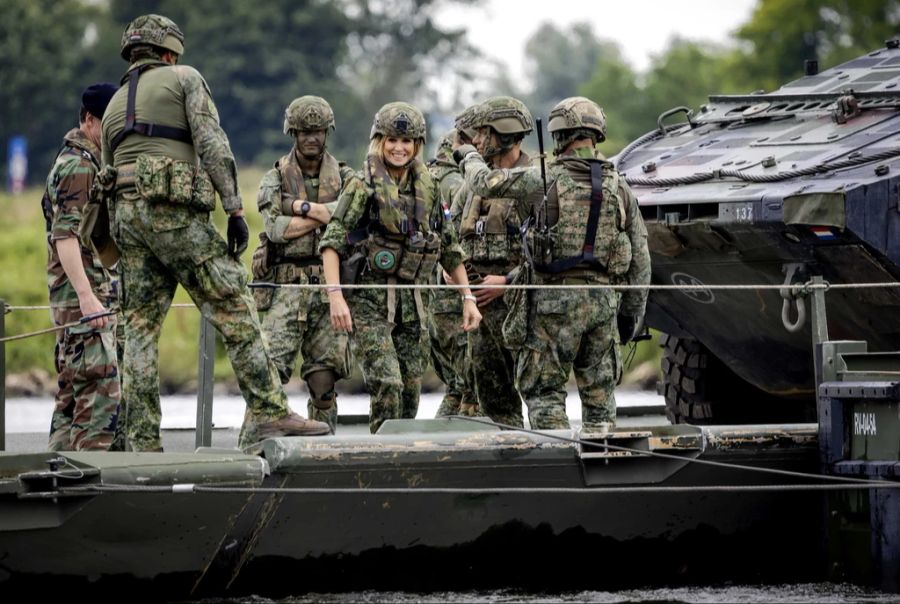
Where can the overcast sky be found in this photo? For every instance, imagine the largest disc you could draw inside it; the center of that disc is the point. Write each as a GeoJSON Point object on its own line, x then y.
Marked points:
{"type": "Point", "coordinates": [500, 28]}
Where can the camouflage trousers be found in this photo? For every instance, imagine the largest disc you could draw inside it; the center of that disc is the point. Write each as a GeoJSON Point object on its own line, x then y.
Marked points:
{"type": "Point", "coordinates": [392, 356]}
{"type": "Point", "coordinates": [299, 322]}
{"type": "Point", "coordinates": [120, 440]}
{"type": "Point", "coordinates": [571, 329]}
{"type": "Point", "coordinates": [87, 402]}
{"type": "Point", "coordinates": [448, 351]}
{"type": "Point", "coordinates": [493, 367]}
{"type": "Point", "coordinates": [164, 245]}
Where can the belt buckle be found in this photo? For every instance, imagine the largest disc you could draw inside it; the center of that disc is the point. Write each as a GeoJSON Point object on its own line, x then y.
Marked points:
{"type": "Point", "coordinates": [479, 227]}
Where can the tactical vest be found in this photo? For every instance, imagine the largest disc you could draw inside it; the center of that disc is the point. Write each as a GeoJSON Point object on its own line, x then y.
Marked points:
{"type": "Point", "coordinates": [293, 186]}
{"type": "Point", "coordinates": [589, 231]}
{"type": "Point", "coordinates": [402, 238]}
{"type": "Point", "coordinates": [489, 231]}
{"type": "Point", "coordinates": [132, 126]}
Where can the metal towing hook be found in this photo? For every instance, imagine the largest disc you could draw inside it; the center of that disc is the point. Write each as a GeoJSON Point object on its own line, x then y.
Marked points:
{"type": "Point", "coordinates": [795, 290]}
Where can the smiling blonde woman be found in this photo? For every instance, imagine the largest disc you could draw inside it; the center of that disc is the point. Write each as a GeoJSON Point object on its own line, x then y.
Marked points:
{"type": "Point", "coordinates": [392, 216]}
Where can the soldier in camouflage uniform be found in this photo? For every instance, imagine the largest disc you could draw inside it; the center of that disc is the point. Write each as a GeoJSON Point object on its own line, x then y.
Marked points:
{"type": "Point", "coordinates": [161, 132]}
{"type": "Point", "coordinates": [489, 233]}
{"type": "Point", "coordinates": [571, 328]}
{"type": "Point", "coordinates": [448, 340]}
{"type": "Point", "coordinates": [296, 199]}
{"type": "Point", "coordinates": [394, 217]}
{"type": "Point", "coordinates": [87, 402]}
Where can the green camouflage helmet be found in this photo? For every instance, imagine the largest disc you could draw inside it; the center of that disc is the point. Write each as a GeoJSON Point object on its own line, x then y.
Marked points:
{"type": "Point", "coordinates": [308, 113]}
{"type": "Point", "coordinates": [578, 113]}
{"type": "Point", "coordinates": [446, 141]}
{"type": "Point", "coordinates": [155, 30]}
{"type": "Point", "coordinates": [399, 119]}
{"type": "Point", "coordinates": [506, 115]}
{"type": "Point", "coordinates": [467, 121]}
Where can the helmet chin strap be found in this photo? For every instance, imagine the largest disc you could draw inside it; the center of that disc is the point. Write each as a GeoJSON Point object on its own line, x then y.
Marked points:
{"type": "Point", "coordinates": [507, 142]}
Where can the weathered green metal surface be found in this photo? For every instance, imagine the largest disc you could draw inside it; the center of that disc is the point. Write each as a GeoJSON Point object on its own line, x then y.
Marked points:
{"type": "Point", "coordinates": [176, 544]}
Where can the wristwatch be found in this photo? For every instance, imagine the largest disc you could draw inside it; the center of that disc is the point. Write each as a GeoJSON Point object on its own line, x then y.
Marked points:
{"type": "Point", "coordinates": [470, 297]}
{"type": "Point", "coordinates": [304, 209]}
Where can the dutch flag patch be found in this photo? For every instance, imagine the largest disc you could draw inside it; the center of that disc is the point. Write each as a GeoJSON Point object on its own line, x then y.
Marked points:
{"type": "Point", "coordinates": [823, 233]}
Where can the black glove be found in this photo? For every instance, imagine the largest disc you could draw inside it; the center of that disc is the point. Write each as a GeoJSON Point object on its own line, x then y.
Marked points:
{"type": "Point", "coordinates": [460, 154]}
{"type": "Point", "coordinates": [626, 325]}
{"type": "Point", "coordinates": [238, 236]}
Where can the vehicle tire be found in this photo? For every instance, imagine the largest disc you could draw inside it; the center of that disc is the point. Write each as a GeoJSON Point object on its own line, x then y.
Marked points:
{"type": "Point", "coordinates": [699, 389]}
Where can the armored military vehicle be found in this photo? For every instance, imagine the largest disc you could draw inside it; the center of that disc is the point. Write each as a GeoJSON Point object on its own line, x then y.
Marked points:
{"type": "Point", "coordinates": [769, 189]}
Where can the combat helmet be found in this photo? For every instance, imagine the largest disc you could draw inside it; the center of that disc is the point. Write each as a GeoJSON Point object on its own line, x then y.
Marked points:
{"type": "Point", "coordinates": [506, 115]}
{"type": "Point", "coordinates": [467, 121]}
{"type": "Point", "coordinates": [308, 113]}
{"type": "Point", "coordinates": [155, 30]}
{"type": "Point", "coordinates": [446, 141]}
{"type": "Point", "coordinates": [576, 117]}
{"type": "Point", "coordinates": [399, 119]}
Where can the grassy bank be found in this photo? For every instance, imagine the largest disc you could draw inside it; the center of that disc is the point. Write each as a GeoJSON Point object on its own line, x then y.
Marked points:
{"type": "Point", "coordinates": [23, 282]}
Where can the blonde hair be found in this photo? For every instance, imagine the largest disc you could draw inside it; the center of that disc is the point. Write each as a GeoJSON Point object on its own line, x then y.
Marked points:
{"type": "Point", "coordinates": [376, 146]}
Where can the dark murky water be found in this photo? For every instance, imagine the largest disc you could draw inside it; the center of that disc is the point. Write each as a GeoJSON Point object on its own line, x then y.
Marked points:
{"type": "Point", "coordinates": [803, 592]}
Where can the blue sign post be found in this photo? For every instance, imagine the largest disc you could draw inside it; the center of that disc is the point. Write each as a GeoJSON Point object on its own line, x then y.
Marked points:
{"type": "Point", "coordinates": [17, 164]}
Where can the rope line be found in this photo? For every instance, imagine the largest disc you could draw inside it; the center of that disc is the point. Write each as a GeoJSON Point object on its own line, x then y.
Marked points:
{"type": "Point", "coordinates": [39, 332]}
{"type": "Point", "coordinates": [227, 490]}
{"type": "Point", "coordinates": [807, 287]}
{"type": "Point", "coordinates": [761, 178]}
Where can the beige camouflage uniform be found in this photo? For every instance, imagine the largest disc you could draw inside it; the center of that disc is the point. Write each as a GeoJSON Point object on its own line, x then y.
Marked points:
{"type": "Point", "coordinates": [409, 232]}
{"type": "Point", "coordinates": [297, 320]}
{"type": "Point", "coordinates": [490, 219]}
{"type": "Point", "coordinates": [160, 221]}
{"type": "Point", "coordinates": [448, 340]}
{"type": "Point", "coordinates": [568, 329]}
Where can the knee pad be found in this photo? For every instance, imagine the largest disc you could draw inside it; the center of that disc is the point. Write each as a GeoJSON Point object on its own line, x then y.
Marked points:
{"type": "Point", "coordinates": [321, 388]}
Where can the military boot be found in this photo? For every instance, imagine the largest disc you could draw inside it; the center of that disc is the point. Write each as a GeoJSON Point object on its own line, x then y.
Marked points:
{"type": "Point", "coordinates": [289, 425]}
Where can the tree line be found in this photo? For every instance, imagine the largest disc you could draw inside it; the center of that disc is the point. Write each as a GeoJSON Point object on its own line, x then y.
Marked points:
{"type": "Point", "coordinates": [359, 54]}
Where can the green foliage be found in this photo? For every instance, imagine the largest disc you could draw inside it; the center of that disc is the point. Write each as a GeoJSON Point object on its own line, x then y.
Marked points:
{"type": "Point", "coordinates": [782, 34]}
{"type": "Point", "coordinates": [45, 46]}
{"type": "Point", "coordinates": [23, 264]}
{"type": "Point", "coordinates": [256, 57]}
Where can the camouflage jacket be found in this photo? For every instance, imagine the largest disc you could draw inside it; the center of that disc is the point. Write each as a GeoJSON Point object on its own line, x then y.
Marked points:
{"type": "Point", "coordinates": [284, 183]}
{"type": "Point", "coordinates": [175, 96]}
{"type": "Point", "coordinates": [520, 182]}
{"type": "Point", "coordinates": [446, 174]}
{"type": "Point", "coordinates": [350, 215]}
{"type": "Point", "coordinates": [492, 206]}
{"type": "Point", "coordinates": [67, 193]}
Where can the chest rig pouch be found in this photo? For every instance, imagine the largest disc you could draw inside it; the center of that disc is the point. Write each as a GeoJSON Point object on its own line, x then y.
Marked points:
{"type": "Point", "coordinates": [587, 225]}
{"type": "Point", "coordinates": [397, 246]}
{"type": "Point", "coordinates": [160, 179]}
{"type": "Point", "coordinates": [490, 231]}
{"type": "Point", "coordinates": [293, 186]}
{"type": "Point", "coordinates": [411, 257]}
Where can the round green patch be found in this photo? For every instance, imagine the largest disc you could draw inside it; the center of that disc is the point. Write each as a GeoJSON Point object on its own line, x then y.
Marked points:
{"type": "Point", "coordinates": [385, 260]}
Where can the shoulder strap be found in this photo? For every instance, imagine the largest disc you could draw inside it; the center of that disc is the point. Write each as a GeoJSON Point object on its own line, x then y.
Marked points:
{"type": "Point", "coordinates": [587, 249]}
{"type": "Point", "coordinates": [147, 129]}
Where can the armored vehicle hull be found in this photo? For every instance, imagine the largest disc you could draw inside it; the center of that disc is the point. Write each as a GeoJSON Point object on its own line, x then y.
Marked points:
{"type": "Point", "coordinates": [770, 189]}
{"type": "Point", "coordinates": [428, 504]}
